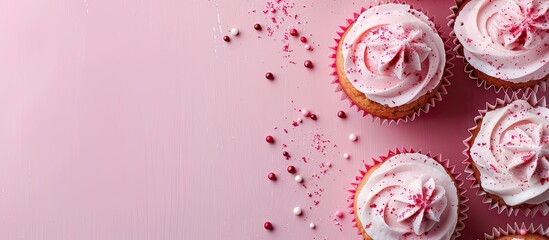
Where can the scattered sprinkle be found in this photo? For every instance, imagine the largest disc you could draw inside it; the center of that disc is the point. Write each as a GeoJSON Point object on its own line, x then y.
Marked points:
{"type": "Point", "coordinates": [268, 225]}
{"type": "Point", "coordinates": [353, 137]}
{"type": "Point", "coordinates": [297, 211]}
{"type": "Point", "coordinates": [234, 32]}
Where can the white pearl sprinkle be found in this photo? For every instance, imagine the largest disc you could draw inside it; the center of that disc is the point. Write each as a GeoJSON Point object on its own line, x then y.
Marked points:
{"type": "Point", "coordinates": [346, 156]}
{"type": "Point", "coordinates": [352, 137]}
{"type": "Point", "coordinates": [329, 164]}
{"type": "Point", "coordinates": [234, 32]}
{"type": "Point", "coordinates": [298, 178]}
{"type": "Point", "coordinates": [308, 47]}
{"type": "Point", "coordinates": [305, 112]}
{"type": "Point", "coordinates": [297, 211]}
{"type": "Point", "coordinates": [312, 225]}
{"type": "Point", "coordinates": [299, 120]}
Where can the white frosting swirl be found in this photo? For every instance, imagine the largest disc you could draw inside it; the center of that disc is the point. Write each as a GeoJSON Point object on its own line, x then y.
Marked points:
{"type": "Point", "coordinates": [506, 39]}
{"type": "Point", "coordinates": [393, 54]}
{"type": "Point", "coordinates": [511, 151]}
{"type": "Point", "coordinates": [410, 196]}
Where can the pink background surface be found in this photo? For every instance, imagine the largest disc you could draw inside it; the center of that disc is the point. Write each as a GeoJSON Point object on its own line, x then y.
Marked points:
{"type": "Point", "coordinates": [134, 120]}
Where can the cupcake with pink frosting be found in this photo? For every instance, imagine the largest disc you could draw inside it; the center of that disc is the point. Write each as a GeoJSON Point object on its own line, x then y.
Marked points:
{"type": "Point", "coordinates": [508, 155]}
{"type": "Point", "coordinates": [391, 62]}
{"type": "Point", "coordinates": [408, 195]}
{"type": "Point", "coordinates": [505, 43]}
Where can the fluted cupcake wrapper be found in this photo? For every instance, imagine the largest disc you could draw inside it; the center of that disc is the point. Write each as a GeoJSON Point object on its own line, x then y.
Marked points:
{"type": "Point", "coordinates": [458, 49]}
{"type": "Point", "coordinates": [531, 98]}
{"type": "Point", "coordinates": [424, 109]}
{"type": "Point", "coordinates": [463, 208]}
{"type": "Point", "coordinates": [516, 229]}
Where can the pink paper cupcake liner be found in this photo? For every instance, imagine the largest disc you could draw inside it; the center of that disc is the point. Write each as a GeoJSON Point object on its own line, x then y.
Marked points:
{"type": "Point", "coordinates": [458, 49]}
{"type": "Point", "coordinates": [425, 109]}
{"type": "Point", "coordinates": [517, 229]}
{"type": "Point", "coordinates": [445, 163]}
{"type": "Point", "coordinates": [520, 95]}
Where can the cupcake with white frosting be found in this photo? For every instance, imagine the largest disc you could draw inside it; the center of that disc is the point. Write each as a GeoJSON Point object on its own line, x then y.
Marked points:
{"type": "Point", "coordinates": [409, 195]}
{"type": "Point", "coordinates": [518, 232]}
{"type": "Point", "coordinates": [508, 152]}
{"type": "Point", "coordinates": [505, 43]}
{"type": "Point", "coordinates": [391, 62]}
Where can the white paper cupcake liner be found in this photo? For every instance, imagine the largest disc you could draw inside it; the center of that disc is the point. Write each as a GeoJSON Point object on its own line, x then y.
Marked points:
{"type": "Point", "coordinates": [517, 229]}
{"type": "Point", "coordinates": [458, 49]}
{"type": "Point", "coordinates": [463, 208]}
{"type": "Point", "coordinates": [510, 210]}
{"type": "Point", "coordinates": [425, 109]}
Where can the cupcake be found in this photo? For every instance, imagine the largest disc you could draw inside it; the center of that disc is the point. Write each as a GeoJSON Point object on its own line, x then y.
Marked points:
{"type": "Point", "coordinates": [409, 195]}
{"type": "Point", "coordinates": [391, 62]}
{"type": "Point", "coordinates": [508, 154]}
{"type": "Point", "coordinates": [504, 42]}
{"type": "Point", "coordinates": [518, 233]}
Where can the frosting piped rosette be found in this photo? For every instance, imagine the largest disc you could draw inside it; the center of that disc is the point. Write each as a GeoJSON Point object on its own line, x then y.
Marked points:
{"type": "Point", "coordinates": [393, 54]}
{"type": "Point", "coordinates": [409, 196]}
{"type": "Point", "coordinates": [511, 152]}
{"type": "Point", "coordinates": [506, 39]}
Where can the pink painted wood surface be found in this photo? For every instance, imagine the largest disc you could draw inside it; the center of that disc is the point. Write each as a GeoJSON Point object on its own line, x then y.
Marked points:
{"type": "Point", "coordinates": [134, 120]}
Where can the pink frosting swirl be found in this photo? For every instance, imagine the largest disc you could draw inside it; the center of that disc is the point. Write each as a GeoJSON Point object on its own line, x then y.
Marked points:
{"type": "Point", "coordinates": [506, 39]}
{"type": "Point", "coordinates": [511, 152]}
{"type": "Point", "coordinates": [393, 54]}
{"type": "Point", "coordinates": [410, 196]}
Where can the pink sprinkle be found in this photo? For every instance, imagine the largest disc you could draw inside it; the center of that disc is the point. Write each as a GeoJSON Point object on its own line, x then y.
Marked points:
{"type": "Point", "coordinates": [273, 10]}
{"type": "Point", "coordinates": [523, 232]}
{"type": "Point", "coordinates": [339, 214]}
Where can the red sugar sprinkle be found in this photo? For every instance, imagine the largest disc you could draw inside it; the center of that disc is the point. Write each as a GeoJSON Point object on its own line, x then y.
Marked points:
{"type": "Point", "coordinates": [291, 169]}
{"type": "Point", "coordinates": [312, 116]}
{"type": "Point", "coordinates": [303, 39]}
{"type": "Point", "coordinates": [226, 38]}
{"type": "Point", "coordinates": [308, 64]}
{"type": "Point", "coordinates": [269, 139]}
{"type": "Point", "coordinates": [286, 154]}
{"type": "Point", "coordinates": [272, 176]}
{"type": "Point", "coordinates": [341, 114]}
{"type": "Point", "coordinates": [269, 76]}
{"type": "Point", "coordinates": [293, 32]}
{"type": "Point", "coordinates": [268, 225]}
{"type": "Point", "coordinates": [257, 27]}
